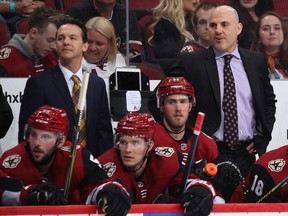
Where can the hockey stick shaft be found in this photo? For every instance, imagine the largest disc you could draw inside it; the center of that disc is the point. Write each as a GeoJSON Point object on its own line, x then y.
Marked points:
{"type": "Point", "coordinates": [281, 184]}
{"type": "Point", "coordinates": [193, 148]}
{"type": "Point", "coordinates": [80, 112]}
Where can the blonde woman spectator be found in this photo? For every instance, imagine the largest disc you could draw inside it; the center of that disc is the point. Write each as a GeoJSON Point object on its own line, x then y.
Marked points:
{"type": "Point", "coordinates": [169, 29]}
{"type": "Point", "coordinates": [189, 17]}
{"type": "Point", "coordinates": [271, 39]}
{"type": "Point", "coordinates": [102, 56]}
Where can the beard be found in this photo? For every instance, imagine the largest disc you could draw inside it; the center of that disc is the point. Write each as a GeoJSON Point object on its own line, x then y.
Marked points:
{"type": "Point", "coordinates": [174, 125]}
{"type": "Point", "coordinates": [46, 159]}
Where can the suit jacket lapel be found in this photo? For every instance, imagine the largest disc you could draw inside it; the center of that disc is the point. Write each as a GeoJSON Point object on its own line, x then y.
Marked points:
{"type": "Point", "coordinates": [212, 71]}
{"type": "Point", "coordinates": [64, 94]}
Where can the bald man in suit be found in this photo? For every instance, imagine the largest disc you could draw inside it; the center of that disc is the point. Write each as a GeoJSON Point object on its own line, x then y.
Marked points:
{"type": "Point", "coordinates": [254, 93]}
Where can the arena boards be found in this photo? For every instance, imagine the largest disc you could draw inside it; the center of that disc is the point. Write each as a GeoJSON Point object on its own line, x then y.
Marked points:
{"type": "Point", "coordinates": [149, 210]}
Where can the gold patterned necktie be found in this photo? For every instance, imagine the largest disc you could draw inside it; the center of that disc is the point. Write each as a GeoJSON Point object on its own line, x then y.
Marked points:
{"type": "Point", "coordinates": [230, 105]}
{"type": "Point", "coordinates": [75, 98]}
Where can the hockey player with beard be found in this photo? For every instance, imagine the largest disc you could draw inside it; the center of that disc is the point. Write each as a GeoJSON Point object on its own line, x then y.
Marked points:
{"type": "Point", "coordinates": [41, 163]}
{"type": "Point", "coordinates": [175, 98]}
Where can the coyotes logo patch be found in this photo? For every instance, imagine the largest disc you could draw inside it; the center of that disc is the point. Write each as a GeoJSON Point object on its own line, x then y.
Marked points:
{"type": "Point", "coordinates": [11, 161]}
{"type": "Point", "coordinates": [164, 151]}
{"type": "Point", "coordinates": [5, 52]}
{"type": "Point", "coordinates": [109, 168]}
{"type": "Point", "coordinates": [276, 165]}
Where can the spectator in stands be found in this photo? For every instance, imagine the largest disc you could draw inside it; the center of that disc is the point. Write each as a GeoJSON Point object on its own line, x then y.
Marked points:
{"type": "Point", "coordinates": [110, 10]}
{"type": "Point", "coordinates": [268, 171]}
{"type": "Point", "coordinates": [41, 163]}
{"type": "Point", "coordinates": [169, 28]}
{"type": "Point", "coordinates": [102, 56]}
{"type": "Point", "coordinates": [55, 88]}
{"type": "Point", "coordinates": [189, 17]}
{"type": "Point", "coordinates": [12, 11]}
{"type": "Point", "coordinates": [271, 39]}
{"type": "Point", "coordinates": [6, 115]}
{"type": "Point", "coordinates": [200, 23]}
{"type": "Point", "coordinates": [29, 54]}
{"type": "Point", "coordinates": [249, 13]}
{"type": "Point", "coordinates": [147, 172]}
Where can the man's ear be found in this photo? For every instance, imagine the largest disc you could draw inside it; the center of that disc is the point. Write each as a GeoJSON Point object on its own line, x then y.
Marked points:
{"type": "Point", "coordinates": [33, 32]}
{"type": "Point", "coordinates": [150, 145]}
{"type": "Point", "coordinates": [60, 141]}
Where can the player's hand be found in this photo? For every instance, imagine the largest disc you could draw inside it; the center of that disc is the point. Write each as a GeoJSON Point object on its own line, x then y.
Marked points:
{"type": "Point", "coordinates": [114, 200]}
{"type": "Point", "coordinates": [46, 194]}
{"type": "Point", "coordinates": [197, 201]}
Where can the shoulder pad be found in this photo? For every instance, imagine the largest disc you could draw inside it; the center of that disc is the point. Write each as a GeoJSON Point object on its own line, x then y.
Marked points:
{"type": "Point", "coordinates": [5, 52]}
{"type": "Point", "coordinates": [109, 168]}
{"type": "Point", "coordinates": [164, 151]}
{"type": "Point", "coordinates": [68, 148]}
{"type": "Point", "coordinates": [276, 165]}
{"type": "Point", "coordinates": [11, 161]}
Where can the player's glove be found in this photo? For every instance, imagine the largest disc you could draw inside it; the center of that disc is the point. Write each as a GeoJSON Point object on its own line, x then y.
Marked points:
{"type": "Point", "coordinates": [227, 179]}
{"type": "Point", "coordinates": [46, 194]}
{"type": "Point", "coordinates": [197, 201]}
{"type": "Point", "coordinates": [113, 200]}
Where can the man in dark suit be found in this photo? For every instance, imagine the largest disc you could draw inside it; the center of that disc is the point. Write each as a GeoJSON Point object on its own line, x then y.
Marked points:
{"type": "Point", "coordinates": [54, 88]}
{"type": "Point", "coordinates": [254, 93]}
{"type": "Point", "coordinates": [6, 115]}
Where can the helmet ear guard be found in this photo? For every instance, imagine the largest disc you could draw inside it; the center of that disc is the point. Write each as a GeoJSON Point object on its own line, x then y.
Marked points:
{"type": "Point", "coordinates": [27, 131]}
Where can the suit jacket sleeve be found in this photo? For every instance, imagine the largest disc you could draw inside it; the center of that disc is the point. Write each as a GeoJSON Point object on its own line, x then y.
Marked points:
{"type": "Point", "coordinates": [6, 115]}
{"type": "Point", "coordinates": [33, 98]}
{"type": "Point", "coordinates": [264, 100]}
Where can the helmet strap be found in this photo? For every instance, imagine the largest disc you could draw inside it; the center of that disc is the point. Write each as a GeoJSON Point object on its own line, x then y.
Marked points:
{"type": "Point", "coordinates": [143, 161]}
{"type": "Point", "coordinates": [171, 132]}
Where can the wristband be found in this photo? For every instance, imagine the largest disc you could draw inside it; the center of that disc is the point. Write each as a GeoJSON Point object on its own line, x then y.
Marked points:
{"type": "Point", "coordinates": [12, 7]}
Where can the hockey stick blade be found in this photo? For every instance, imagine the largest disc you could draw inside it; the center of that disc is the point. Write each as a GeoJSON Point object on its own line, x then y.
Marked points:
{"type": "Point", "coordinates": [10, 184]}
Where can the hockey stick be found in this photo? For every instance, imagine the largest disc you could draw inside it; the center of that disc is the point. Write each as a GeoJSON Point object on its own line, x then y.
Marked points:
{"type": "Point", "coordinates": [10, 184]}
{"type": "Point", "coordinates": [281, 184]}
{"type": "Point", "coordinates": [193, 147]}
{"type": "Point", "coordinates": [81, 104]}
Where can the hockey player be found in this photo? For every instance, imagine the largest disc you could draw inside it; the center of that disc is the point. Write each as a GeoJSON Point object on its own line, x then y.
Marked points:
{"type": "Point", "coordinates": [29, 54]}
{"type": "Point", "coordinates": [147, 172]}
{"type": "Point", "coordinates": [268, 171]}
{"type": "Point", "coordinates": [175, 98]}
{"type": "Point", "coordinates": [41, 163]}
